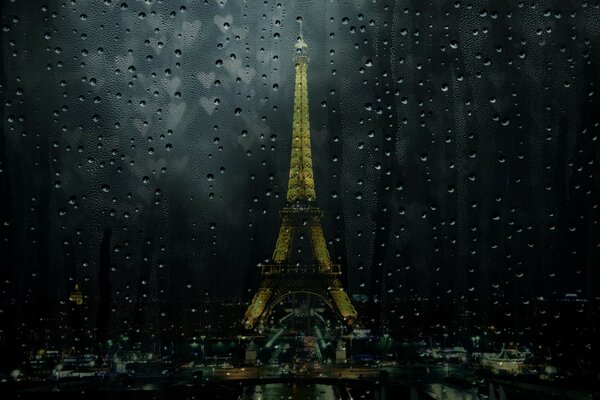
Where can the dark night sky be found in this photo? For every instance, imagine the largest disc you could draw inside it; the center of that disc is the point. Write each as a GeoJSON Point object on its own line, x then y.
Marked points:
{"type": "Point", "coordinates": [455, 145]}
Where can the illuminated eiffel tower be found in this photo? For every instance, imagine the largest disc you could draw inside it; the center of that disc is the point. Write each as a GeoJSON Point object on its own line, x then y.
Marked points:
{"type": "Point", "coordinates": [284, 277]}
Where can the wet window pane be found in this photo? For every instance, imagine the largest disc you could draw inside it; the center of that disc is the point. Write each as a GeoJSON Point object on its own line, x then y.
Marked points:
{"type": "Point", "coordinates": [401, 195]}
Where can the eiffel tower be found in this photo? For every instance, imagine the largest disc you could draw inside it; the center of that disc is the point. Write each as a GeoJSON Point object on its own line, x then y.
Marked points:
{"type": "Point", "coordinates": [283, 277]}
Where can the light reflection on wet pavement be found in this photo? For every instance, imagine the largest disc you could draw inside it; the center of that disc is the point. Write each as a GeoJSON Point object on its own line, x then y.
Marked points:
{"type": "Point", "coordinates": [277, 391]}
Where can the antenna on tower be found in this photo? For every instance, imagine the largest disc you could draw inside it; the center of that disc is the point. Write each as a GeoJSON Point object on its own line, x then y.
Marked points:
{"type": "Point", "coordinates": [300, 43]}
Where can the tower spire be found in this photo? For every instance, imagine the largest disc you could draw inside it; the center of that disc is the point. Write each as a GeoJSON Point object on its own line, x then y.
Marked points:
{"type": "Point", "coordinates": [301, 46]}
{"type": "Point", "coordinates": [301, 184]}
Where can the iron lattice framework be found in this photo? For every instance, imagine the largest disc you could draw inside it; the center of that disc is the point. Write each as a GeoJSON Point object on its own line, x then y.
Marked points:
{"type": "Point", "coordinates": [282, 277]}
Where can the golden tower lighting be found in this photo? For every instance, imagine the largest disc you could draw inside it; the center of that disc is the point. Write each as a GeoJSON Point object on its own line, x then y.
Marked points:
{"type": "Point", "coordinates": [283, 278]}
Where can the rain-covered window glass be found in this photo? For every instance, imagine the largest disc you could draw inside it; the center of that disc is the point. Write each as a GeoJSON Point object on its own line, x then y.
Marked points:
{"type": "Point", "coordinates": [300, 199]}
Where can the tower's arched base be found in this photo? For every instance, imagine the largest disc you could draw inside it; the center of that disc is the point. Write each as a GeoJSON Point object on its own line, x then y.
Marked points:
{"type": "Point", "coordinates": [326, 287]}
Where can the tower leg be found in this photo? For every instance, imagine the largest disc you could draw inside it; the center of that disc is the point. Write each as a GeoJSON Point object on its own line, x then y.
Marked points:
{"type": "Point", "coordinates": [257, 307]}
{"type": "Point", "coordinates": [284, 241]}
{"type": "Point", "coordinates": [319, 247]}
